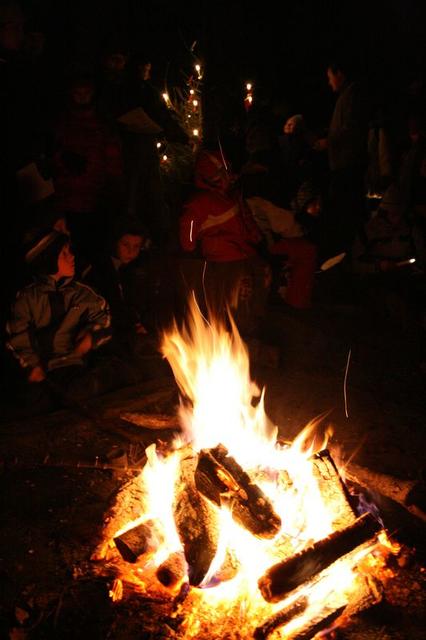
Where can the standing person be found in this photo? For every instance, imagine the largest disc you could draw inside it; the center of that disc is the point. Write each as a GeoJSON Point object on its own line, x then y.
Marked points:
{"type": "Point", "coordinates": [87, 165]}
{"type": "Point", "coordinates": [218, 224]}
{"type": "Point", "coordinates": [347, 155]}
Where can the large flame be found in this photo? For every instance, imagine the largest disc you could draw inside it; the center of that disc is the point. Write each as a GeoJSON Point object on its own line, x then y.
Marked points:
{"type": "Point", "coordinates": [220, 404]}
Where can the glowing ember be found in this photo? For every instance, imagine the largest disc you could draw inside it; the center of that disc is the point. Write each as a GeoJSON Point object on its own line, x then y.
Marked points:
{"type": "Point", "coordinates": [221, 411]}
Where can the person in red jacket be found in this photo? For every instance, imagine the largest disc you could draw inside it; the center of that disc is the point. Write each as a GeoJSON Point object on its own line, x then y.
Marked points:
{"type": "Point", "coordinates": [88, 168]}
{"type": "Point", "coordinates": [218, 226]}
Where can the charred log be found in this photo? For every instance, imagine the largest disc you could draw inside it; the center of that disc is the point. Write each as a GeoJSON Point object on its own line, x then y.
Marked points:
{"type": "Point", "coordinates": [151, 420]}
{"type": "Point", "coordinates": [221, 479]}
{"type": "Point", "coordinates": [196, 522]}
{"type": "Point", "coordinates": [172, 571]}
{"type": "Point", "coordinates": [281, 618]}
{"type": "Point", "coordinates": [137, 541]}
{"type": "Point", "coordinates": [283, 577]}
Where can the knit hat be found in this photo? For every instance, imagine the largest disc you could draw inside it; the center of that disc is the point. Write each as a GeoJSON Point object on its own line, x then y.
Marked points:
{"type": "Point", "coordinates": [42, 249]}
{"type": "Point", "coordinates": [209, 167]}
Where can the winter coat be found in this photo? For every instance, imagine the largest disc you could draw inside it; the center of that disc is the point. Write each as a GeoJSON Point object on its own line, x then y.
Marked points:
{"type": "Point", "coordinates": [47, 317]}
{"type": "Point", "coordinates": [220, 223]}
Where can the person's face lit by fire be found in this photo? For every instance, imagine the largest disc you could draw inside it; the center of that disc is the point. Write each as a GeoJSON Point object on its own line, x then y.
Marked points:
{"type": "Point", "coordinates": [128, 248]}
{"type": "Point", "coordinates": [116, 62]}
{"type": "Point", "coordinates": [314, 207]}
{"type": "Point", "coordinates": [336, 79]}
{"type": "Point", "coordinates": [144, 71]}
{"type": "Point", "coordinates": [82, 95]}
{"type": "Point", "coordinates": [66, 263]}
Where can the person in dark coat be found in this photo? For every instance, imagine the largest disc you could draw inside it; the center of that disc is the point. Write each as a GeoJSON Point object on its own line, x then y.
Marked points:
{"type": "Point", "coordinates": [113, 274]}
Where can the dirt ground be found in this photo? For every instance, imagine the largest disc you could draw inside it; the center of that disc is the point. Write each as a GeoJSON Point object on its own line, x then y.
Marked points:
{"type": "Point", "coordinates": [55, 491]}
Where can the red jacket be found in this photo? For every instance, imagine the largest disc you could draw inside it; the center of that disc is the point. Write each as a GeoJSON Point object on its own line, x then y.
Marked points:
{"type": "Point", "coordinates": [222, 224]}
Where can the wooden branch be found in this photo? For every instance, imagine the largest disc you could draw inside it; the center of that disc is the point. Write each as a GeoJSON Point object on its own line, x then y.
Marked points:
{"type": "Point", "coordinates": [137, 541]}
{"type": "Point", "coordinates": [283, 577]}
{"type": "Point", "coordinates": [150, 420]}
{"type": "Point", "coordinates": [281, 618]}
{"type": "Point", "coordinates": [409, 494]}
{"type": "Point", "coordinates": [221, 479]}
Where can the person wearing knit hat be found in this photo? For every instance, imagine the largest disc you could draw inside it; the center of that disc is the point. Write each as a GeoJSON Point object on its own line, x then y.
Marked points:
{"type": "Point", "coordinates": [56, 321]}
{"type": "Point", "coordinates": [217, 223]}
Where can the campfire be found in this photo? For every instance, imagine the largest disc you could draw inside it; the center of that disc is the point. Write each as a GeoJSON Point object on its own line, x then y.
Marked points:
{"type": "Point", "coordinates": [244, 535]}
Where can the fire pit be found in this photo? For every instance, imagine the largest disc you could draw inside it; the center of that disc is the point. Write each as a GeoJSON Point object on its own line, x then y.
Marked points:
{"type": "Point", "coordinates": [242, 535]}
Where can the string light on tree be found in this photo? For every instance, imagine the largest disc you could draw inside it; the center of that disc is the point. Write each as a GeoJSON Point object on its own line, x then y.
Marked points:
{"type": "Point", "coordinates": [186, 103]}
{"type": "Point", "coordinates": [248, 100]}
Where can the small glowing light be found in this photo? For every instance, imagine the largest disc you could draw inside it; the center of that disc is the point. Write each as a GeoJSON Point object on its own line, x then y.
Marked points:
{"type": "Point", "coordinates": [189, 115]}
{"type": "Point", "coordinates": [165, 158]}
{"type": "Point", "coordinates": [250, 99]}
{"type": "Point", "coordinates": [249, 86]}
{"type": "Point", "coordinates": [166, 97]}
{"type": "Point", "coordinates": [191, 91]}
{"type": "Point", "coordinates": [412, 260]}
{"type": "Point", "coordinates": [197, 68]}
{"type": "Point", "coordinates": [195, 133]}
{"type": "Point", "coordinates": [195, 103]}
{"type": "Point", "coordinates": [158, 145]}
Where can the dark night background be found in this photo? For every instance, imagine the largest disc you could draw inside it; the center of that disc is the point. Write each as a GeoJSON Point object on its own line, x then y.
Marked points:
{"type": "Point", "coordinates": [281, 46]}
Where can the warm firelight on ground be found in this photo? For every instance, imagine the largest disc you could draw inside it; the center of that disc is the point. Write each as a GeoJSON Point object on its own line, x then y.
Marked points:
{"type": "Point", "coordinates": [221, 405]}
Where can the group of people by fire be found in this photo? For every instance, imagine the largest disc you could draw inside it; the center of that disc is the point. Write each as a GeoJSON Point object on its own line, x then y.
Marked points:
{"type": "Point", "coordinates": [100, 249]}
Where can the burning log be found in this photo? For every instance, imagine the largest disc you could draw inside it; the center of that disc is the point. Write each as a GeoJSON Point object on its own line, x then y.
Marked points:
{"type": "Point", "coordinates": [221, 479]}
{"type": "Point", "coordinates": [196, 522]}
{"type": "Point", "coordinates": [229, 568]}
{"type": "Point", "coordinates": [369, 592]}
{"type": "Point", "coordinates": [411, 495]}
{"type": "Point", "coordinates": [281, 618]}
{"type": "Point", "coordinates": [137, 541]}
{"type": "Point", "coordinates": [151, 421]}
{"type": "Point", "coordinates": [317, 624]}
{"type": "Point", "coordinates": [172, 571]}
{"type": "Point", "coordinates": [333, 489]}
{"type": "Point", "coordinates": [283, 577]}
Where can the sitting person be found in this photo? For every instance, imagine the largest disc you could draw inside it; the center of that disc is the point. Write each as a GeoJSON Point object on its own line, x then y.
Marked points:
{"type": "Point", "coordinates": [388, 256]}
{"type": "Point", "coordinates": [114, 275]}
{"type": "Point", "coordinates": [55, 323]}
{"type": "Point", "coordinates": [218, 226]}
{"type": "Point", "coordinates": [388, 241]}
{"type": "Point", "coordinates": [289, 233]}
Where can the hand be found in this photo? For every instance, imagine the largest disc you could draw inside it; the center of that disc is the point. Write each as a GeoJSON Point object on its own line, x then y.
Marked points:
{"type": "Point", "coordinates": [36, 374]}
{"type": "Point", "coordinates": [84, 344]}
